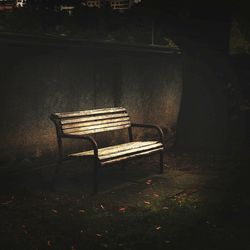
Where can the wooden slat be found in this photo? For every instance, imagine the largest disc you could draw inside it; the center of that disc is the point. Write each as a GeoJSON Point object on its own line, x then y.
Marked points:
{"type": "Point", "coordinates": [119, 148]}
{"type": "Point", "coordinates": [95, 127]}
{"type": "Point", "coordinates": [90, 112]}
{"type": "Point", "coordinates": [93, 118]}
{"type": "Point", "coordinates": [129, 151]}
{"type": "Point", "coordinates": [131, 156]}
{"type": "Point", "coordinates": [84, 124]}
{"type": "Point", "coordinates": [86, 132]}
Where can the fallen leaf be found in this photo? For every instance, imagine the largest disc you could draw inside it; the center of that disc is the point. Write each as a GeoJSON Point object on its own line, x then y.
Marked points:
{"type": "Point", "coordinates": [148, 182]}
{"type": "Point", "coordinates": [122, 209]}
{"type": "Point", "coordinates": [99, 235]}
{"type": "Point", "coordinates": [7, 202]}
{"type": "Point", "coordinates": [156, 195]}
{"type": "Point", "coordinates": [158, 227]}
{"type": "Point", "coordinates": [147, 202]}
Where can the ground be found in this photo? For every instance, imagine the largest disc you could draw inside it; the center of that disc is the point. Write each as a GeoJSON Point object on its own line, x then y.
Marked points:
{"type": "Point", "coordinates": [200, 202]}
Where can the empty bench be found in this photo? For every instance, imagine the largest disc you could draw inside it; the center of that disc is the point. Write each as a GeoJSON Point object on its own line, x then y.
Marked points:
{"type": "Point", "coordinates": [82, 124]}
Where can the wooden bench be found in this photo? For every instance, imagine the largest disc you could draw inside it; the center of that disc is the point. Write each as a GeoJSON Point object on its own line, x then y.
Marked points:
{"type": "Point", "coordinates": [81, 124]}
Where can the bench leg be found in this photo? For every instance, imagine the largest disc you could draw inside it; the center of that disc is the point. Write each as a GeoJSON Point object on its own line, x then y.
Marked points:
{"type": "Point", "coordinates": [56, 172]}
{"type": "Point", "coordinates": [161, 162]}
{"type": "Point", "coordinates": [95, 177]}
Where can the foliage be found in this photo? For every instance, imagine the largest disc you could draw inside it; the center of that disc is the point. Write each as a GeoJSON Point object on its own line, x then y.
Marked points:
{"type": "Point", "coordinates": [239, 41]}
{"type": "Point", "coordinates": [131, 27]}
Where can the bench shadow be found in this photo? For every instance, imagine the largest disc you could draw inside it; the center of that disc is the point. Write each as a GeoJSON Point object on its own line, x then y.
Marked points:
{"type": "Point", "coordinates": [75, 177]}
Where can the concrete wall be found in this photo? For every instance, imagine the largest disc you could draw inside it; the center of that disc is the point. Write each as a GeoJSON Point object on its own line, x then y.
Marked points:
{"type": "Point", "coordinates": [39, 80]}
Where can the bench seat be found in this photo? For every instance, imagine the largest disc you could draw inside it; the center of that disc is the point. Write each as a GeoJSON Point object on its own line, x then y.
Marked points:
{"type": "Point", "coordinates": [123, 151]}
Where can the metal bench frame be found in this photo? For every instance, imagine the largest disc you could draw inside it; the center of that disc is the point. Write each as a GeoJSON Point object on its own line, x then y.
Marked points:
{"type": "Point", "coordinates": [97, 164]}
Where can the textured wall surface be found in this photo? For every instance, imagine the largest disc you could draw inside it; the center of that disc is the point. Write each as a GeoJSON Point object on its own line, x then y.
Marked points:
{"type": "Point", "coordinates": [39, 80]}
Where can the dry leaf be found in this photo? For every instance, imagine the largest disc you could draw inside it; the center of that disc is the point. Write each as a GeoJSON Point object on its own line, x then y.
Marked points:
{"type": "Point", "coordinates": [7, 202]}
{"type": "Point", "coordinates": [122, 209]}
{"type": "Point", "coordinates": [147, 202]}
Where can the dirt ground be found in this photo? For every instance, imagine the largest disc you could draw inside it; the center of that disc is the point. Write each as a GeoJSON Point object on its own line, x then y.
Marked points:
{"type": "Point", "coordinates": [200, 202]}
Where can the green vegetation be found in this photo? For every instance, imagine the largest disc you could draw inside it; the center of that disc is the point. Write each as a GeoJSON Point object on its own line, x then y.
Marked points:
{"type": "Point", "coordinates": [239, 40]}
{"type": "Point", "coordinates": [132, 27]}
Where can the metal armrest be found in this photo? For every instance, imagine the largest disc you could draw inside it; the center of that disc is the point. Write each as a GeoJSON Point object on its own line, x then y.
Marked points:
{"type": "Point", "coordinates": [88, 138]}
{"type": "Point", "coordinates": [159, 130]}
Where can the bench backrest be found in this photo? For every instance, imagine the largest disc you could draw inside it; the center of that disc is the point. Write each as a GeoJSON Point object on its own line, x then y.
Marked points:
{"type": "Point", "coordinates": [91, 121]}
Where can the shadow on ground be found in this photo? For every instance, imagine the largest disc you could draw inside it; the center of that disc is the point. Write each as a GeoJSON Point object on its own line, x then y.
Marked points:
{"type": "Point", "coordinates": [200, 202]}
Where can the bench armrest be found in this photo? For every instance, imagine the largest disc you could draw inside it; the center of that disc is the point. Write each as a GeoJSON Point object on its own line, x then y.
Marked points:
{"type": "Point", "coordinates": [159, 130]}
{"type": "Point", "coordinates": [88, 138]}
